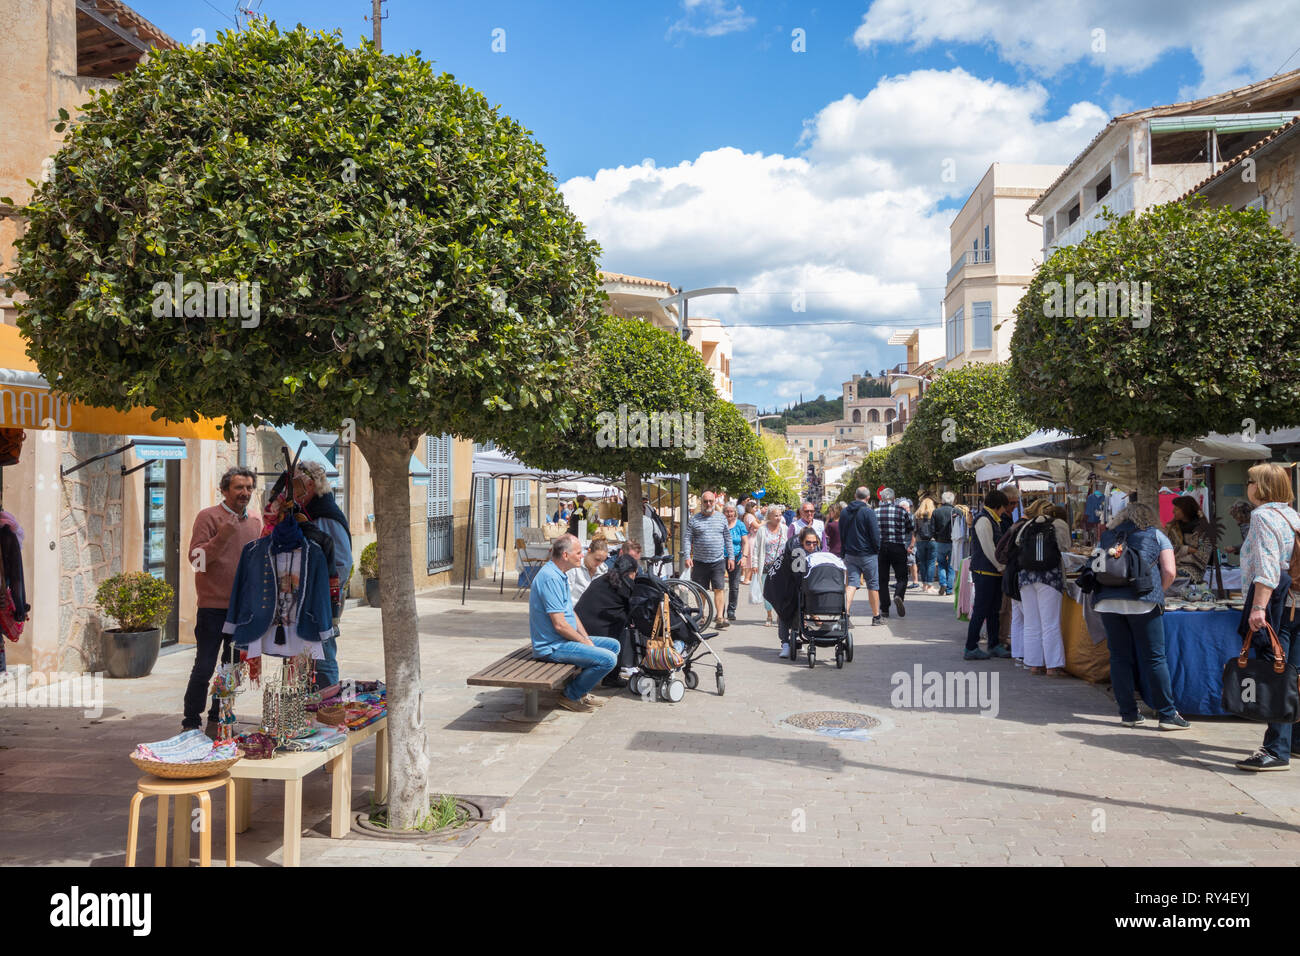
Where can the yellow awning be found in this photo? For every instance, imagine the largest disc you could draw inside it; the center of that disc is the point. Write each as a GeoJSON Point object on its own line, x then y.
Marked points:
{"type": "Point", "coordinates": [27, 401]}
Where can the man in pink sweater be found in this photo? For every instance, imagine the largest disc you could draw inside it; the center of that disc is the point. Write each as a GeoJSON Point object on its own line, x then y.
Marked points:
{"type": "Point", "coordinates": [219, 535]}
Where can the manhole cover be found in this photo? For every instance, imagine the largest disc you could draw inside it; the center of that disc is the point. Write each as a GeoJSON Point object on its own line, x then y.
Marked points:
{"type": "Point", "coordinates": [832, 721]}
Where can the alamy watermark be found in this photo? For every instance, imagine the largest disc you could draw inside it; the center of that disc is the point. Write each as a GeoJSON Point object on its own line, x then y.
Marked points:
{"type": "Point", "coordinates": [1101, 300]}
{"type": "Point", "coordinates": [55, 689]}
{"type": "Point", "coordinates": [638, 429]}
{"type": "Point", "coordinates": [211, 300]}
{"type": "Point", "coordinates": [941, 690]}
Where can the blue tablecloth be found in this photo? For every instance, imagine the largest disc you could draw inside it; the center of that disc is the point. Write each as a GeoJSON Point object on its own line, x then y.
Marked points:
{"type": "Point", "coordinates": [1197, 644]}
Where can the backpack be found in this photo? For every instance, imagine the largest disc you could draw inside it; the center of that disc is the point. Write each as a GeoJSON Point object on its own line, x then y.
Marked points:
{"type": "Point", "coordinates": [1038, 548]}
{"type": "Point", "coordinates": [1006, 546]}
{"type": "Point", "coordinates": [925, 529]}
{"type": "Point", "coordinates": [1294, 566]}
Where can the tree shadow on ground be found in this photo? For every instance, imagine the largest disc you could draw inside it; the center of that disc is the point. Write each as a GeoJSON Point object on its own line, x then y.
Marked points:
{"type": "Point", "coordinates": [824, 756]}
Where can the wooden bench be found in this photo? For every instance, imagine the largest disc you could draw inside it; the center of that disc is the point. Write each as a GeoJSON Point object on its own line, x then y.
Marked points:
{"type": "Point", "coordinates": [520, 669]}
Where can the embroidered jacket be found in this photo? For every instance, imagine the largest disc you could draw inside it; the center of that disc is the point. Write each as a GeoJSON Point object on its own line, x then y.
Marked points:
{"type": "Point", "coordinates": [253, 596]}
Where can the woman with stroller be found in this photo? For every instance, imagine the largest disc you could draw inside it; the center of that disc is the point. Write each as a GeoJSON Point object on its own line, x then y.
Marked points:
{"type": "Point", "coordinates": [782, 588]}
{"type": "Point", "coordinates": [606, 605]}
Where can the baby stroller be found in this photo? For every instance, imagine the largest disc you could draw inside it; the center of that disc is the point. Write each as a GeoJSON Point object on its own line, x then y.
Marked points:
{"type": "Point", "coordinates": [648, 600]}
{"type": "Point", "coordinates": [823, 619]}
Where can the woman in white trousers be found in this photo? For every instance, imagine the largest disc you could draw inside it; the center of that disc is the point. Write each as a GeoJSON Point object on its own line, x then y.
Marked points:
{"type": "Point", "coordinates": [1040, 597]}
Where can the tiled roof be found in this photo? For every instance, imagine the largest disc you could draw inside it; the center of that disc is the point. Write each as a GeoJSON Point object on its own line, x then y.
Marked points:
{"type": "Point", "coordinates": [1288, 129]}
{"type": "Point", "coordinates": [129, 17]}
{"type": "Point", "coordinates": [1208, 102]}
{"type": "Point", "coordinates": [636, 280]}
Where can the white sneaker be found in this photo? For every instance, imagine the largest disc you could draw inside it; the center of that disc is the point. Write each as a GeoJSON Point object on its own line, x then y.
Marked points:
{"type": "Point", "coordinates": [785, 651]}
{"type": "Point", "coordinates": [625, 673]}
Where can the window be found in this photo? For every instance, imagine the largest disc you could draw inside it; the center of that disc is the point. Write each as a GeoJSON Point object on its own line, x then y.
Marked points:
{"type": "Point", "coordinates": [873, 416]}
{"type": "Point", "coordinates": [981, 325]}
{"type": "Point", "coordinates": [1073, 214]}
{"type": "Point", "coordinates": [956, 334]}
{"type": "Point", "coordinates": [439, 535]}
{"type": "Point", "coordinates": [857, 415]}
{"type": "Point", "coordinates": [986, 244]}
{"type": "Point", "coordinates": [1103, 188]}
{"type": "Point", "coordinates": [523, 505]}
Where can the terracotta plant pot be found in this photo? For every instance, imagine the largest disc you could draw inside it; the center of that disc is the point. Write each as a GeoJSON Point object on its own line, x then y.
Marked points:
{"type": "Point", "coordinates": [130, 654]}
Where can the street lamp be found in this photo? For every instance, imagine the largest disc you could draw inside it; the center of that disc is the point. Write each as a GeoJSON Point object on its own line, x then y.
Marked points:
{"type": "Point", "coordinates": [756, 422]}
{"type": "Point", "coordinates": [684, 331]}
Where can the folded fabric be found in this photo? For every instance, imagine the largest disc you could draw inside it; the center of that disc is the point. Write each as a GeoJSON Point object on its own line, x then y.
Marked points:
{"type": "Point", "coordinates": [191, 746]}
{"type": "Point", "coordinates": [320, 738]}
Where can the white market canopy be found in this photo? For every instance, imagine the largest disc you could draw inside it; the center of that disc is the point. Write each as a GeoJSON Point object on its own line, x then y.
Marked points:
{"type": "Point", "coordinates": [1065, 457]}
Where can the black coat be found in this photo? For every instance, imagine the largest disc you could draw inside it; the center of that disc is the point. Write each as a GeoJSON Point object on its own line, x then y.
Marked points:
{"type": "Point", "coordinates": [782, 587]}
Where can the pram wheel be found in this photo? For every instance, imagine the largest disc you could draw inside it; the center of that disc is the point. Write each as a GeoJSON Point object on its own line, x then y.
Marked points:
{"type": "Point", "coordinates": [692, 679]}
{"type": "Point", "coordinates": [673, 690]}
{"type": "Point", "coordinates": [642, 686]}
{"type": "Point", "coordinates": [848, 645]}
{"type": "Point", "coordinates": [722, 683]}
{"type": "Point", "coordinates": [812, 655]}
{"type": "Point", "coordinates": [839, 658]}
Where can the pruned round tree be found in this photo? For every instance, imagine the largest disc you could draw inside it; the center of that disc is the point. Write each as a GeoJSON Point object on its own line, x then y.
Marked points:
{"type": "Point", "coordinates": [963, 410]}
{"type": "Point", "coordinates": [734, 460]}
{"type": "Point", "coordinates": [277, 227]}
{"type": "Point", "coordinates": [646, 398]}
{"type": "Point", "coordinates": [1171, 324]}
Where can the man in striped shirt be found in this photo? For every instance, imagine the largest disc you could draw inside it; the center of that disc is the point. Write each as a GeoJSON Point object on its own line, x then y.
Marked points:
{"type": "Point", "coordinates": [708, 553]}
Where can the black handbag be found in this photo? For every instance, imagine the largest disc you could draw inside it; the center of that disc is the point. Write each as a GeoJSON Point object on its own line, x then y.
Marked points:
{"type": "Point", "coordinates": [1261, 690]}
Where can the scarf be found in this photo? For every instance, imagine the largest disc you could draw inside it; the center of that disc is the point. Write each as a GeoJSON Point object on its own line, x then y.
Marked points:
{"type": "Point", "coordinates": [286, 536]}
{"type": "Point", "coordinates": [323, 506]}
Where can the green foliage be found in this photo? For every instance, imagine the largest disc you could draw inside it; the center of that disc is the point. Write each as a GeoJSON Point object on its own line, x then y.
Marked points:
{"type": "Point", "coordinates": [370, 561]}
{"type": "Point", "coordinates": [880, 467]}
{"type": "Point", "coordinates": [418, 269]}
{"type": "Point", "coordinates": [812, 412]}
{"type": "Point", "coordinates": [138, 601]}
{"type": "Point", "coordinates": [873, 387]}
{"type": "Point", "coordinates": [1222, 343]}
{"type": "Point", "coordinates": [734, 459]}
{"type": "Point", "coordinates": [783, 475]}
{"type": "Point", "coordinates": [643, 368]}
{"type": "Point", "coordinates": [963, 410]}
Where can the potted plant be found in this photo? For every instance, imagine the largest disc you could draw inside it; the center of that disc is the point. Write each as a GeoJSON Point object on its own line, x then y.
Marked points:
{"type": "Point", "coordinates": [139, 603]}
{"type": "Point", "coordinates": [370, 572]}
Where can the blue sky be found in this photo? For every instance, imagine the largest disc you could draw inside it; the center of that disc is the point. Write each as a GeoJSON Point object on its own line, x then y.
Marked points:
{"type": "Point", "coordinates": [702, 149]}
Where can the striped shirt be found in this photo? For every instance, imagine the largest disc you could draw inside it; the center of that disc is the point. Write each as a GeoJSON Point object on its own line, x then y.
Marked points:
{"type": "Point", "coordinates": [708, 539]}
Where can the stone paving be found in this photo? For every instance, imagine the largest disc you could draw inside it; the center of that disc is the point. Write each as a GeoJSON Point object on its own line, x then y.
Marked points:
{"type": "Point", "coordinates": [1052, 779]}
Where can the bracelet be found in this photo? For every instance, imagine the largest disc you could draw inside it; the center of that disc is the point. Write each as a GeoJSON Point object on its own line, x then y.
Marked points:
{"type": "Point", "coordinates": [1258, 607]}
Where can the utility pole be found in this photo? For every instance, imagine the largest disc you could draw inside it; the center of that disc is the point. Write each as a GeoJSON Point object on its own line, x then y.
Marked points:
{"type": "Point", "coordinates": [376, 19]}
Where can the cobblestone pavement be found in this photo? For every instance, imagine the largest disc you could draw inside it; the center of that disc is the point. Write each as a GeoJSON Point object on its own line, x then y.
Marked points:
{"type": "Point", "coordinates": [1052, 779]}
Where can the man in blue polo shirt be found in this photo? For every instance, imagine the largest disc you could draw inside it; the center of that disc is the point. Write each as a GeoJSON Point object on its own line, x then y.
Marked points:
{"type": "Point", "coordinates": [557, 633]}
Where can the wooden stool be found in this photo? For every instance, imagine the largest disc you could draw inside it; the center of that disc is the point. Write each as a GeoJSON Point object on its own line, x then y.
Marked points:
{"type": "Point", "coordinates": [182, 790]}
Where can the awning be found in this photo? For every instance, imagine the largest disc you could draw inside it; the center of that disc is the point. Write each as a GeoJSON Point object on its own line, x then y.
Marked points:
{"type": "Point", "coordinates": [27, 401]}
{"type": "Point", "coordinates": [293, 437]}
{"type": "Point", "coordinates": [419, 472]}
{"type": "Point", "coordinates": [154, 448]}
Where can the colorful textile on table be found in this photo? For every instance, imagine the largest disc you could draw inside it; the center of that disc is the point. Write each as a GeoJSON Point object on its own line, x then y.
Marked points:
{"type": "Point", "coordinates": [192, 746]}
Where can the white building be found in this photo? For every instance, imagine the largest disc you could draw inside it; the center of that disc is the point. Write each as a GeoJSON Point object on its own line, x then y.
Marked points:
{"type": "Point", "coordinates": [1152, 156]}
{"type": "Point", "coordinates": [995, 250]}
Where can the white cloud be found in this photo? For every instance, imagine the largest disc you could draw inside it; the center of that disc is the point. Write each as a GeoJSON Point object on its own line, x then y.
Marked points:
{"type": "Point", "coordinates": [854, 221]}
{"type": "Point", "coordinates": [1234, 43]}
{"type": "Point", "coordinates": [711, 18]}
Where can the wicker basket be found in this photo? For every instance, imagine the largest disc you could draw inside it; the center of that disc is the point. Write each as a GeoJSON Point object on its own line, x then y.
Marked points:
{"type": "Point", "coordinates": [184, 771]}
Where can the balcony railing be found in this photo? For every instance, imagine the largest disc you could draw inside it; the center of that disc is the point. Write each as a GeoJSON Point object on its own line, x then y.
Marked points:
{"type": "Point", "coordinates": [970, 257]}
{"type": "Point", "coordinates": [439, 544]}
{"type": "Point", "coordinates": [1119, 201]}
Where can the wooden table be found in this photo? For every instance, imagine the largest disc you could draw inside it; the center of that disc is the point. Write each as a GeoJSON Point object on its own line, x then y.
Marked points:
{"type": "Point", "coordinates": [293, 767]}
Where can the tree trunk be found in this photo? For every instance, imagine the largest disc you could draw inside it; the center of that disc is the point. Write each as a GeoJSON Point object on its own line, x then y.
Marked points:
{"type": "Point", "coordinates": [1146, 458]}
{"type": "Point", "coordinates": [389, 457]}
{"type": "Point", "coordinates": [635, 518]}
